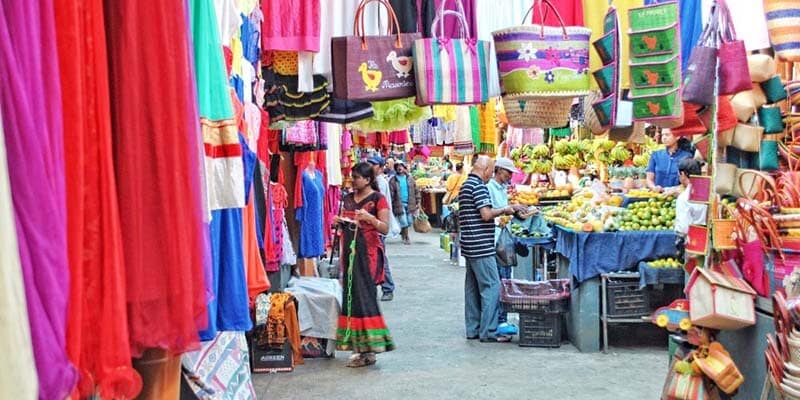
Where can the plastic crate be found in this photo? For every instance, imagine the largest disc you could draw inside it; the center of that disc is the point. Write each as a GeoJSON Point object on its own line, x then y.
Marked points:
{"type": "Point", "coordinates": [527, 296]}
{"type": "Point", "coordinates": [625, 299]}
{"type": "Point", "coordinates": [540, 329]}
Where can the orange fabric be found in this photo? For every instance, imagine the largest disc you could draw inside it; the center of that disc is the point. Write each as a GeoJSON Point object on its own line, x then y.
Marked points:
{"type": "Point", "coordinates": [257, 281]}
{"type": "Point", "coordinates": [282, 324]}
{"type": "Point", "coordinates": [161, 374]}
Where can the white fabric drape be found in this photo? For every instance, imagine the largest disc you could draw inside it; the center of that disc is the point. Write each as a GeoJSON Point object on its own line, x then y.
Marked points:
{"type": "Point", "coordinates": [748, 20]}
{"type": "Point", "coordinates": [18, 379]}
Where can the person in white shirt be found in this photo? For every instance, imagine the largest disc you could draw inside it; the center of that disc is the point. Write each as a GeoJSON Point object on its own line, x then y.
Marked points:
{"type": "Point", "coordinates": [686, 212]}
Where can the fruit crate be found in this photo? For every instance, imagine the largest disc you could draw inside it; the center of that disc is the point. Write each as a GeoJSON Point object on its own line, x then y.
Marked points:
{"type": "Point", "coordinates": [540, 329]}
{"type": "Point", "coordinates": [625, 299]}
{"type": "Point", "coordinates": [526, 296]}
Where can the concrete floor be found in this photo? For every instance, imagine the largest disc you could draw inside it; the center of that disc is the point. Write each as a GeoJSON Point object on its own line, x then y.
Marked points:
{"type": "Point", "coordinates": [434, 361]}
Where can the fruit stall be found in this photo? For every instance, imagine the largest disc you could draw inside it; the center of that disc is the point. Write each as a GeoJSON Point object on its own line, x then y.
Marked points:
{"type": "Point", "coordinates": [430, 179]}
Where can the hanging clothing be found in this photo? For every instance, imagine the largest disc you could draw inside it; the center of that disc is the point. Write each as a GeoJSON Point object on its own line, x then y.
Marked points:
{"type": "Point", "coordinates": [407, 14]}
{"type": "Point", "coordinates": [452, 28]}
{"type": "Point", "coordinates": [291, 25]}
{"type": "Point", "coordinates": [35, 153]}
{"type": "Point", "coordinates": [310, 214]}
{"type": "Point", "coordinates": [162, 227]}
{"type": "Point", "coordinates": [279, 201]}
{"type": "Point", "coordinates": [257, 281]}
{"type": "Point", "coordinates": [223, 153]}
{"type": "Point", "coordinates": [489, 137]}
{"type": "Point", "coordinates": [97, 338]}
{"type": "Point", "coordinates": [361, 327]}
{"type": "Point", "coordinates": [333, 154]}
{"type": "Point", "coordinates": [18, 380]}
{"type": "Point", "coordinates": [282, 324]}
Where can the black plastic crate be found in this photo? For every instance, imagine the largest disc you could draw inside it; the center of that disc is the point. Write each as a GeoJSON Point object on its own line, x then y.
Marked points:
{"type": "Point", "coordinates": [540, 329]}
{"type": "Point", "coordinates": [551, 306]}
{"type": "Point", "coordinates": [625, 299]}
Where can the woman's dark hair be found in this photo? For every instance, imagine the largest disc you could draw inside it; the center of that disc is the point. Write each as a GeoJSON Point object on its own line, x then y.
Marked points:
{"type": "Point", "coordinates": [686, 145]}
{"type": "Point", "coordinates": [364, 170]}
{"type": "Point", "coordinates": [459, 167]}
{"type": "Point", "coordinates": [689, 166]}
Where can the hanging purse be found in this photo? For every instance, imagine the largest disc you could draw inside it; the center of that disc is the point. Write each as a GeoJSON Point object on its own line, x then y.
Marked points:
{"type": "Point", "coordinates": [452, 70]}
{"type": "Point", "coordinates": [734, 75]}
{"type": "Point", "coordinates": [698, 85]}
{"type": "Point", "coordinates": [367, 68]}
{"type": "Point", "coordinates": [725, 178]}
{"type": "Point", "coordinates": [773, 89]}
{"type": "Point", "coordinates": [768, 155]}
{"type": "Point", "coordinates": [770, 118]}
{"type": "Point", "coordinates": [761, 67]}
{"type": "Point", "coordinates": [747, 137]}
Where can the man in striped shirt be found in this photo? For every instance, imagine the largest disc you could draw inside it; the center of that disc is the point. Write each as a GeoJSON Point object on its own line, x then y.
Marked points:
{"type": "Point", "coordinates": [476, 223]}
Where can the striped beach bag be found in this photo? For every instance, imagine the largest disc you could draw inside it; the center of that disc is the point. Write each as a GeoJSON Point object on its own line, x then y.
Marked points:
{"type": "Point", "coordinates": [453, 71]}
{"type": "Point", "coordinates": [543, 61]}
{"type": "Point", "coordinates": [783, 20]}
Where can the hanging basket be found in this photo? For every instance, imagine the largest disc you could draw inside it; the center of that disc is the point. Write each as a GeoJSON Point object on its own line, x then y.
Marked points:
{"type": "Point", "coordinates": [538, 112]}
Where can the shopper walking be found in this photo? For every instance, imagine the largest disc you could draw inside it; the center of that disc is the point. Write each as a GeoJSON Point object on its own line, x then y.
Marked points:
{"type": "Point", "coordinates": [405, 198]}
{"type": "Point", "coordinates": [361, 328]}
{"type": "Point", "coordinates": [482, 283]}
{"type": "Point", "coordinates": [503, 170]}
{"type": "Point", "coordinates": [383, 184]}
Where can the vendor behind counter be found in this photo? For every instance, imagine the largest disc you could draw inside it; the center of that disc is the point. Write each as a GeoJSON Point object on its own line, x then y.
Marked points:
{"type": "Point", "coordinates": [662, 171]}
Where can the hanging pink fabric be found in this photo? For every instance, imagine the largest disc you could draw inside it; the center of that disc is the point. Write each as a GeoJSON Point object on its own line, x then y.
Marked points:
{"type": "Point", "coordinates": [34, 141]}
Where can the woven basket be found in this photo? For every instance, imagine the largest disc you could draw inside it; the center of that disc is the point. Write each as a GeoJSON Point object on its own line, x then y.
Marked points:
{"type": "Point", "coordinates": [543, 112]}
{"type": "Point", "coordinates": [724, 234]}
{"type": "Point", "coordinates": [782, 21]}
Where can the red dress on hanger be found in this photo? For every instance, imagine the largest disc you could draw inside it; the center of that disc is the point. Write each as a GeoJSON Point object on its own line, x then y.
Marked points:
{"type": "Point", "coordinates": [157, 160]}
{"type": "Point", "coordinates": [97, 337]}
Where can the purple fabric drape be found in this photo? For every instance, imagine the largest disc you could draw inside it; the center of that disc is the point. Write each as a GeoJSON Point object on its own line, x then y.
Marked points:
{"type": "Point", "coordinates": [29, 98]}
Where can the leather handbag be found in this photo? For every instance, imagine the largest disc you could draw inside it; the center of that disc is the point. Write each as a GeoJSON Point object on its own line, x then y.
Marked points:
{"type": "Point", "coordinates": [369, 68]}
{"type": "Point", "coordinates": [770, 118]}
{"type": "Point", "coordinates": [734, 75]}
{"type": "Point", "coordinates": [747, 137]}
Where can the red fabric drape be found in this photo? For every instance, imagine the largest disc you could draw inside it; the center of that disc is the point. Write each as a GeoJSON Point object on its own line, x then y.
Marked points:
{"type": "Point", "coordinates": [156, 154]}
{"type": "Point", "coordinates": [97, 337]}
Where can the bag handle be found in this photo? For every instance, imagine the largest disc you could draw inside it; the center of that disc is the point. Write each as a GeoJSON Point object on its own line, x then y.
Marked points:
{"type": "Point", "coordinates": [543, 14]}
{"type": "Point", "coordinates": [463, 26]}
{"type": "Point", "coordinates": [358, 22]}
{"type": "Point", "coordinates": [462, 20]}
{"type": "Point", "coordinates": [726, 30]}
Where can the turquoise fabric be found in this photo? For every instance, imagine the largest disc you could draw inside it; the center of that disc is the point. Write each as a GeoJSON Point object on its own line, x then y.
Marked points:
{"type": "Point", "coordinates": [402, 182]}
{"type": "Point", "coordinates": [210, 72]}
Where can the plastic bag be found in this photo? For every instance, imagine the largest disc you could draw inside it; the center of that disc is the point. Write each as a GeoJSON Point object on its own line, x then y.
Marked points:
{"type": "Point", "coordinates": [506, 255]}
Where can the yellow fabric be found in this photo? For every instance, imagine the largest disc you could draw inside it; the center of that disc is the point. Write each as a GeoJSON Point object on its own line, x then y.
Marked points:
{"type": "Point", "coordinates": [453, 186]}
{"type": "Point", "coordinates": [593, 13]}
{"type": "Point", "coordinates": [238, 55]}
{"type": "Point", "coordinates": [488, 124]}
{"type": "Point", "coordinates": [446, 112]}
{"type": "Point", "coordinates": [285, 62]}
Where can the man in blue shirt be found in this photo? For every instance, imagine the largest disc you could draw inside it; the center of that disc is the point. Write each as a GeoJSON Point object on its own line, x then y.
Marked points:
{"type": "Point", "coordinates": [662, 171]}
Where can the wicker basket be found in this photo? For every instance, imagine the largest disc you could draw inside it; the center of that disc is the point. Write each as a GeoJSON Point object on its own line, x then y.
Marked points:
{"type": "Point", "coordinates": [540, 112]}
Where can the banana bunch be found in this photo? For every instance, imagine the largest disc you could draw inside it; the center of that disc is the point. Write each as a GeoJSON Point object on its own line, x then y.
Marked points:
{"type": "Point", "coordinates": [566, 161]}
{"type": "Point", "coordinates": [604, 144]}
{"type": "Point", "coordinates": [540, 151]}
{"type": "Point", "coordinates": [561, 146]}
{"type": "Point", "coordinates": [641, 160]}
{"type": "Point", "coordinates": [619, 154]}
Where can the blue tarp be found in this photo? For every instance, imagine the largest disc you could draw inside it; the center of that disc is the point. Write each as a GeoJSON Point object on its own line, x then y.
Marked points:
{"type": "Point", "coordinates": [592, 254]}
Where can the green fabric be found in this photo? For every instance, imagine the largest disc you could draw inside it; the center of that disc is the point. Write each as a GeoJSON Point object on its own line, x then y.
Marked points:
{"type": "Point", "coordinates": [475, 119]}
{"type": "Point", "coordinates": [210, 72]}
{"type": "Point", "coordinates": [393, 115]}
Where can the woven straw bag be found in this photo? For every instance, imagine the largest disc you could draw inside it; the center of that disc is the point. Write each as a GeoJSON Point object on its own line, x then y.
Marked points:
{"type": "Point", "coordinates": [543, 112]}
{"type": "Point", "coordinates": [589, 115]}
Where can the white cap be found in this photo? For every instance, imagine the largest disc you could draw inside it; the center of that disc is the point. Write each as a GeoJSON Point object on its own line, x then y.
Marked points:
{"type": "Point", "coordinates": [506, 164]}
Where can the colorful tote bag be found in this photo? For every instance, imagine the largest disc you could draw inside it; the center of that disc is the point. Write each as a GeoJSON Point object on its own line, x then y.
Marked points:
{"type": "Point", "coordinates": [371, 68]}
{"type": "Point", "coordinates": [543, 61]}
{"type": "Point", "coordinates": [654, 40]}
{"type": "Point", "coordinates": [452, 71]}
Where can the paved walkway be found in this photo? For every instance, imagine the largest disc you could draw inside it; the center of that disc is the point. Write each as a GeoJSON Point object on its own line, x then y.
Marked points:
{"type": "Point", "coordinates": [434, 361]}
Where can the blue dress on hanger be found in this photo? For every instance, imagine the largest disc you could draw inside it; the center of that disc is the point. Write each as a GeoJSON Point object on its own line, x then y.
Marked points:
{"type": "Point", "coordinates": [311, 217]}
